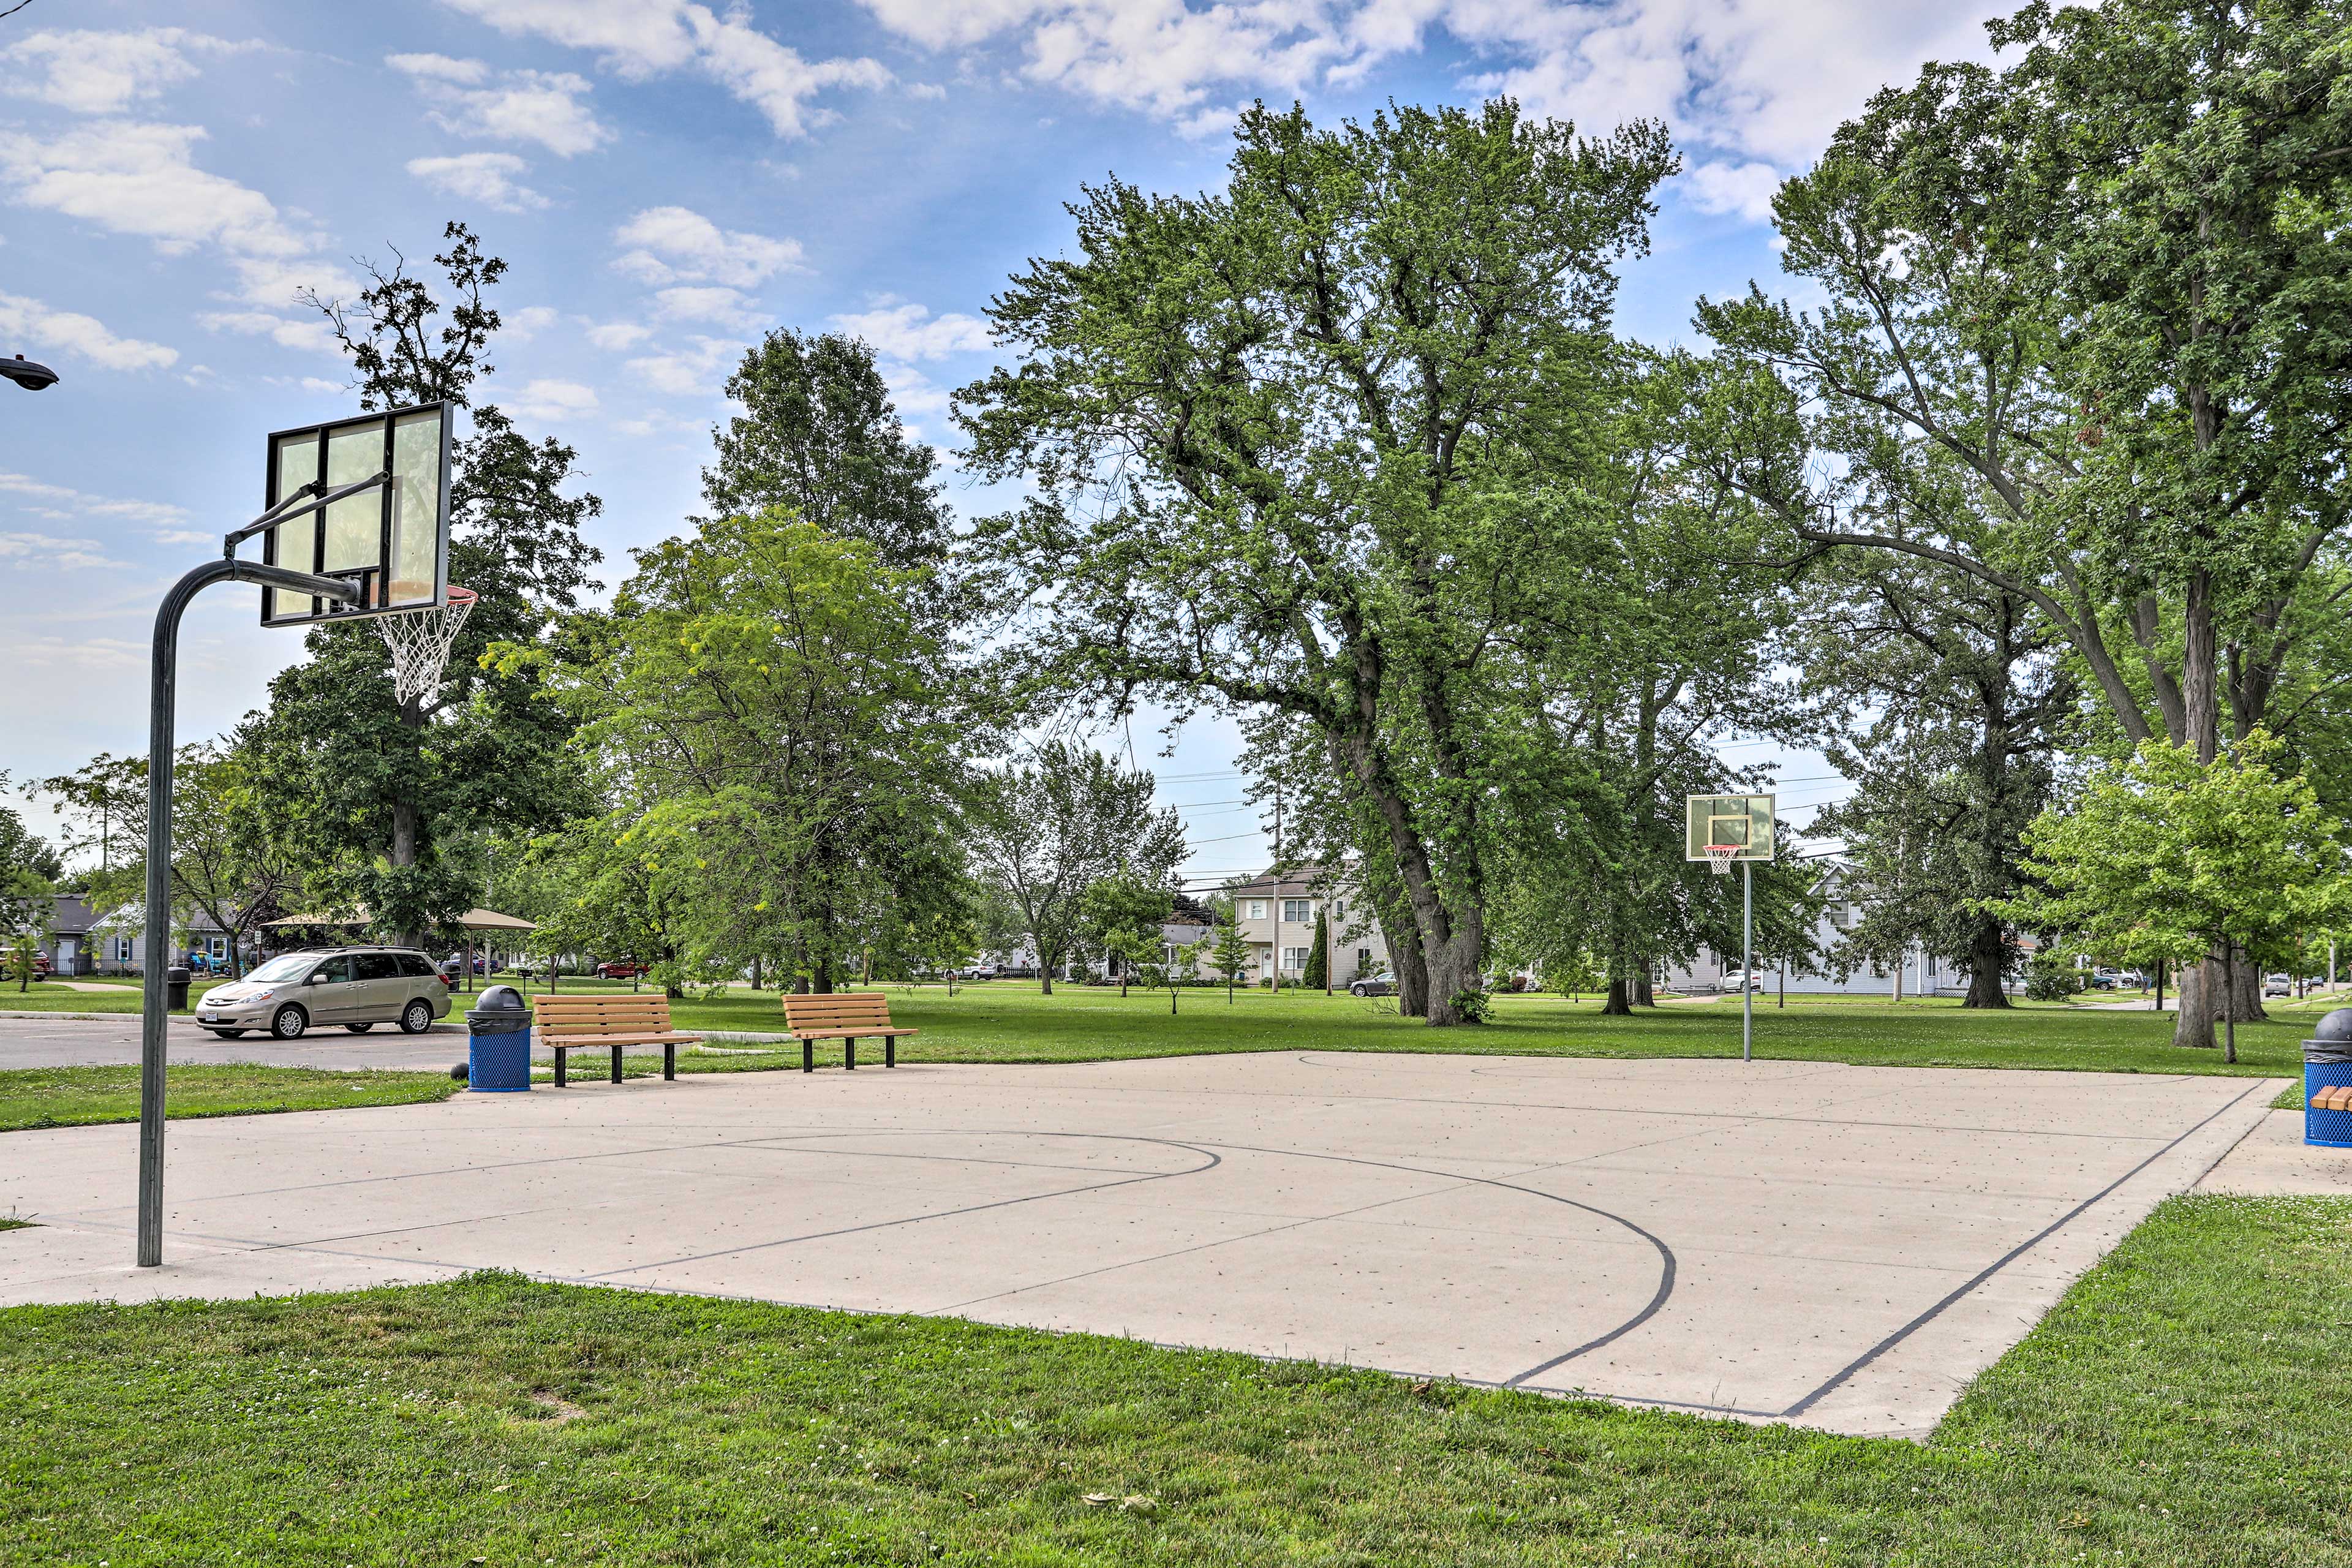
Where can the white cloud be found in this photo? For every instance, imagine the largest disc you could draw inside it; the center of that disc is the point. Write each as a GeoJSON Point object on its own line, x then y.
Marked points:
{"type": "Point", "coordinates": [60, 502]}
{"type": "Point", "coordinates": [308, 334]}
{"type": "Point", "coordinates": [489, 178]}
{"type": "Point", "coordinates": [704, 302]}
{"type": "Point", "coordinates": [555, 400]}
{"type": "Point", "coordinates": [91, 656]}
{"type": "Point", "coordinates": [618, 336]}
{"type": "Point", "coordinates": [1743, 188]}
{"type": "Point", "coordinates": [137, 178]}
{"type": "Point", "coordinates": [682, 371]}
{"type": "Point", "coordinates": [1742, 80]}
{"type": "Point", "coordinates": [640, 38]}
{"type": "Point", "coordinates": [903, 330]}
{"type": "Point", "coordinates": [103, 73]}
{"type": "Point", "coordinates": [677, 244]}
{"type": "Point", "coordinates": [521, 326]}
{"type": "Point", "coordinates": [440, 67]}
{"type": "Point", "coordinates": [31, 327]}
{"type": "Point", "coordinates": [73, 554]}
{"type": "Point", "coordinates": [912, 391]}
{"type": "Point", "coordinates": [543, 107]}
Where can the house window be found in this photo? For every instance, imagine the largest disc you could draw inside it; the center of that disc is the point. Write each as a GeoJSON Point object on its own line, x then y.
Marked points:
{"type": "Point", "coordinates": [218, 947]}
{"type": "Point", "coordinates": [1339, 909]}
{"type": "Point", "coordinates": [1364, 961]}
{"type": "Point", "coordinates": [1931, 966]}
{"type": "Point", "coordinates": [1294, 910]}
{"type": "Point", "coordinates": [1258, 909]}
{"type": "Point", "coordinates": [1294, 959]}
{"type": "Point", "coordinates": [121, 950]}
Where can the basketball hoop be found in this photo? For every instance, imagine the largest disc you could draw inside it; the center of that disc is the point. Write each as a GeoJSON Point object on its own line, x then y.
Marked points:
{"type": "Point", "coordinates": [1719, 857]}
{"type": "Point", "coordinates": [420, 642]}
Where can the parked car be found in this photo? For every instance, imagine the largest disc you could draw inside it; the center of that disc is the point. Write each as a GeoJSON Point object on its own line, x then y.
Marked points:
{"type": "Point", "coordinates": [1378, 982]}
{"type": "Point", "coordinates": [358, 987]}
{"type": "Point", "coordinates": [622, 969]}
{"type": "Point", "coordinates": [1740, 979]}
{"type": "Point", "coordinates": [40, 964]}
{"type": "Point", "coordinates": [2278, 985]}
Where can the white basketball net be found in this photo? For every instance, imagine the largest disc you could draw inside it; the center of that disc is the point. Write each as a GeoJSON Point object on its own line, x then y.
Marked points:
{"type": "Point", "coordinates": [419, 641]}
{"type": "Point", "coordinates": [1719, 858]}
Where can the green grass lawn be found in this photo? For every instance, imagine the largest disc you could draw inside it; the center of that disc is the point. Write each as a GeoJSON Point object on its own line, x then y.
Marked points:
{"type": "Point", "coordinates": [1009, 1023]}
{"type": "Point", "coordinates": [76, 1097]}
{"type": "Point", "coordinates": [2181, 1406]}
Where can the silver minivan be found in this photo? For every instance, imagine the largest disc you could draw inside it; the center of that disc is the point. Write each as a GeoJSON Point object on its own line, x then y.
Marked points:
{"type": "Point", "coordinates": [358, 987]}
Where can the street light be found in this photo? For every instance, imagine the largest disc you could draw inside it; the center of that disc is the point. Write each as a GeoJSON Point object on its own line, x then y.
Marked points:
{"type": "Point", "coordinates": [25, 374]}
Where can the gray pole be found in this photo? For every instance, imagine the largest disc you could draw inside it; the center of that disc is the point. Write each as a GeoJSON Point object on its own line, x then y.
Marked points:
{"type": "Point", "coordinates": [155, 944]}
{"type": "Point", "coordinates": [1748, 961]}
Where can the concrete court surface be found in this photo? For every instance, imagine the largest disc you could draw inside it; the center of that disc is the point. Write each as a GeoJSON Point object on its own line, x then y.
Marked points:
{"type": "Point", "coordinates": [1837, 1245]}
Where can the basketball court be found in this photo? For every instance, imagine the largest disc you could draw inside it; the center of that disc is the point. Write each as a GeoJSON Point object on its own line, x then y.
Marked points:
{"type": "Point", "coordinates": [1841, 1247]}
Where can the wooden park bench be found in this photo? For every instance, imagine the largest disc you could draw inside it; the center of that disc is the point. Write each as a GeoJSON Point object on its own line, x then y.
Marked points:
{"type": "Point", "coordinates": [2337, 1097]}
{"type": "Point", "coordinates": [573, 1023]}
{"type": "Point", "coordinates": [848, 1017]}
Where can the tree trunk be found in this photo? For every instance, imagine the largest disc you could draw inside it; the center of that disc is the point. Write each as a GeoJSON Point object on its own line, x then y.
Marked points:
{"type": "Point", "coordinates": [1619, 1004]}
{"type": "Point", "coordinates": [1045, 976]}
{"type": "Point", "coordinates": [2193, 1024]}
{"type": "Point", "coordinates": [755, 972]}
{"type": "Point", "coordinates": [2228, 983]}
{"type": "Point", "coordinates": [2246, 991]}
{"type": "Point", "coordinates": [1644, 995]}
{"type": "Point", "coordinates": [1988, 958]}
{"type": "Point", "coordinates": [1902, 961]}
{"type": "Point", "coordinates": [1412, 973]}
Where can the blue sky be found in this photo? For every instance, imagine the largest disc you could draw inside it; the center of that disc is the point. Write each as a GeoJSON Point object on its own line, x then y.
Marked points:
{"type": "Point", "coordinates": [668, 179]}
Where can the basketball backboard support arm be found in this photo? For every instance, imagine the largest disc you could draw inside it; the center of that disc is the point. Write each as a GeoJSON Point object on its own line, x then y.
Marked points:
{"type": "Point", "coordinates": [155, 938]}
{"type": "Point", "coordinates": [286, 512]}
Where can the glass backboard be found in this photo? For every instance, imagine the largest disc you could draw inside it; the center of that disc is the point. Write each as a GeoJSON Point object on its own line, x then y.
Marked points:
{"type": "Point", "coordinates": [1744, 821]}
{"type": "Point", "coordinates": [394, 537]}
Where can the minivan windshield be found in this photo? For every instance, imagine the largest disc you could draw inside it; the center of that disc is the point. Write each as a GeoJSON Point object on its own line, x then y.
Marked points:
{"type": "Point", "coordinates": [292, 967]}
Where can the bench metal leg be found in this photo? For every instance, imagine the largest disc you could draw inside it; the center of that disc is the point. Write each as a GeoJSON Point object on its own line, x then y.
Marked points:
{"type": "Point", "coordinates": [808, 1056]}
{"type": "Point", "coordinates": [890, 1050]}
{"type": "Point", "coordinates": [616, 1064]}
{"type": "Point", "coordinates": [849, 1053]}
{"type": "Point", "coordinates": [669, 1063]}
{"type": "Point", "coordinates": [560, 1080]}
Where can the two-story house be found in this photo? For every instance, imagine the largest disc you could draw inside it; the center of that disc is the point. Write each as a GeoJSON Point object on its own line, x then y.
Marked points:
{"type": "Point", "coordinates": [1276, 919]}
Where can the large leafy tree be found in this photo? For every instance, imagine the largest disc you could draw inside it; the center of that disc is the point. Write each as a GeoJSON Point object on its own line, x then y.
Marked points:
{"type": "Point", "coordinates": [2170, 857]}
{"type": "Point", "coordinates": [820, 436]}
{"type": "Point", "coordinates": [779, 741]}
{"type": "Point", "coordinates": [234, 856]}
{"type": "Point", "coordinates": [383, 789]}
{"type": "Point", "coordinates": [2107, 281]}
{"type": "Point", "coordinates": [1284, 434]}
{"type": "Point", "coordinates": [1957, 706]}
{"type": "Point", "coordinates": [1048, 831]}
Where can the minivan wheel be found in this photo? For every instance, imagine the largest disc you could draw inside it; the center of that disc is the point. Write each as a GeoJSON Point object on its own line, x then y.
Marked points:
{"type": "Point", "coordinates": [289, 1022]}
{"type": "Point", "coordinates": [359, 1029]}
{"type": "Point", "coordinates": [230, 1034]}
{"type": "Point", "coordinates": [417, 1018]}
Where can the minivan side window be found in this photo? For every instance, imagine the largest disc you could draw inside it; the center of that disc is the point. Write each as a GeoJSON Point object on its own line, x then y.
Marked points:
{"type": "Point", "coordinates": [415, 967]}
{"type": "Point", "coordinates": [334, 970]}
{"type": "Point", "coordinates": [378, 966]}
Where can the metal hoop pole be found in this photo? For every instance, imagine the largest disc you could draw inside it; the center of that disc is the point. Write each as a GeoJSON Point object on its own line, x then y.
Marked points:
{"type": "Point", "coordinates": [1748, 961]}
{"type": "Point", "coordinates": [155, 940]}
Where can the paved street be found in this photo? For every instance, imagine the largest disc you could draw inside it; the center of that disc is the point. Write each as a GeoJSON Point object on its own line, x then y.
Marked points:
{"type": "Point", "coordinates": [34, 1040]}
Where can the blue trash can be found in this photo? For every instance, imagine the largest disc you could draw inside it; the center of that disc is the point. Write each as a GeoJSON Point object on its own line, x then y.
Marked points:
{"type": "Point", "coordinates": [499, 1059]}
{"type": "Point", "coordinates": [2327, 1062]}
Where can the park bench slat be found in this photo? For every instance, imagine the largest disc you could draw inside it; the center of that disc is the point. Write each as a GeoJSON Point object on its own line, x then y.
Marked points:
{"type": "Point", "coordinates": [575, 1023]}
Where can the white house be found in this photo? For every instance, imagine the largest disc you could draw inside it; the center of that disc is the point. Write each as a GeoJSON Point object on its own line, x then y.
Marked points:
{"type": "Point", "coordinates": [1923, 974]}
{"type": "Point", "coordinates": [1276, 919]}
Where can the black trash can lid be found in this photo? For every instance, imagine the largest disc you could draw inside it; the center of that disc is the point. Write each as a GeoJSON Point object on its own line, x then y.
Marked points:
{"type": "Point", "coordinates": [507, 999]}
{"type": "Point", "coordinates": [177, 973]}
{"type": "Point", "coordinates": [2335, 1026]}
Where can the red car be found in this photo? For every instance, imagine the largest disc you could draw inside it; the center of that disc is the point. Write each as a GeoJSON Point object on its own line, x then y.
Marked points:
{"type": "Point", "coordinates": [627, 969]}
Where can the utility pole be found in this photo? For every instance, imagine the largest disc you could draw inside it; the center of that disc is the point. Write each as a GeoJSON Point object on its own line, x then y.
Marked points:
{"type": "Point", "coordinates": [1275, 968]}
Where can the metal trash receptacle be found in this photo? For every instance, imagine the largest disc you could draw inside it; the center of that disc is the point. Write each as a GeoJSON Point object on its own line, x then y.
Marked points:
{"type": "Point", "coordinates": [2328, 1064]}
{"type": "Point", "coordinates": [175, 989]}
{"type": "Point", "coordinates": [499, 1061]}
